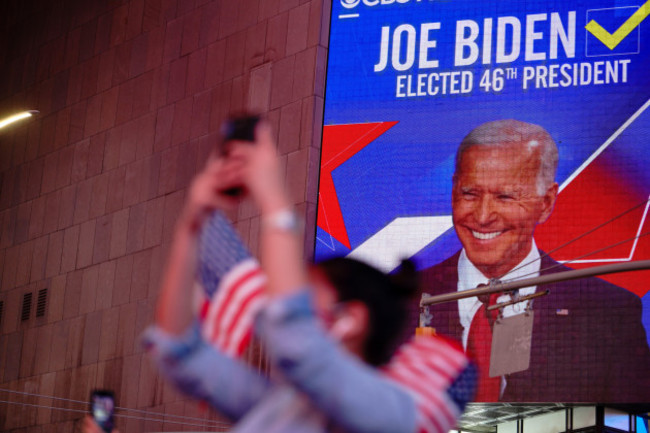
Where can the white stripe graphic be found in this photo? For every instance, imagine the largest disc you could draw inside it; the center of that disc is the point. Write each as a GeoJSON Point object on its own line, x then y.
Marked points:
{"type": "Point", "coordinates": [605, 145]}
{"type": "Point", "coordinates": [585, 164]}
{"type": "Point", "coordinates": [401, 238]}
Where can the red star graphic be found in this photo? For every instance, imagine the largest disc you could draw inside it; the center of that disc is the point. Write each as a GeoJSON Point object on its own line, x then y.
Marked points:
{"type": "Point", "coordinates": [340, 143]}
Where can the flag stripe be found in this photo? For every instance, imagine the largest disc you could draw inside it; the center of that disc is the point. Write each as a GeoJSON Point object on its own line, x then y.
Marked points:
{"type": "Point", "coordinates": [241, 319]}
{"type": "Point", "coordinates": [229, 291]}
{"type": "Point", "coordinates": [427, 421]}
{"type": "Point", "coordinates": [426, 367]}
{"type": "Point", "coordinates": [241, 291]}
{"type": "Point", "coordinates": [428, 399]}
{"type": "Point", "coordinates": [244, 329]}
{"type": "Point", "coordinates": [434, 410]}
{"type": "Point", "coordinates": [229, 320]}
{"type": "Point", "coordinates": [443, 362]}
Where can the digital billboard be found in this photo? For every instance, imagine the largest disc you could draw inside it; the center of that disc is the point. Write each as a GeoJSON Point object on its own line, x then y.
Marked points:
{"type": "Point", "coordinates": [408, 80]}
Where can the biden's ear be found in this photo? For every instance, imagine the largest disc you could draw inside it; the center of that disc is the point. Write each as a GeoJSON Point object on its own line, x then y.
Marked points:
{"type": "Point", "coordinates": [548, 202]}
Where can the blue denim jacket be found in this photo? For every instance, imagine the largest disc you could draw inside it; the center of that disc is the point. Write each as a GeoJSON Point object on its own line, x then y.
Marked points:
{"type": "Point", "coordinates": [319, 387]}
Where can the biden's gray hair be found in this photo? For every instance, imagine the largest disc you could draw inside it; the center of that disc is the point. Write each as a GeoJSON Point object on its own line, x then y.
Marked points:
{"type": "Point", "coordinates": [501, 133]}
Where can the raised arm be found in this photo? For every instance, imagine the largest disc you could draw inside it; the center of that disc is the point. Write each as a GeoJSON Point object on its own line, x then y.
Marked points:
{"type": "Point", "coordinates": [281, 252]}
{"type": "Point", "coordinates": [174, 312]}
{"type": "Point", "coordinates": [196, 366]}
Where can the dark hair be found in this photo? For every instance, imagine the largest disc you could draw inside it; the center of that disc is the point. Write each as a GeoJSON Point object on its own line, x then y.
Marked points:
{"type": "Point", "coordinates": [385, 296]}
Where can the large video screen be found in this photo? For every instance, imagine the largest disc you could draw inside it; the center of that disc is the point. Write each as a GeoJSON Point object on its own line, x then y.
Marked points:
{"type": "Point", "coordinates": [408, 81]}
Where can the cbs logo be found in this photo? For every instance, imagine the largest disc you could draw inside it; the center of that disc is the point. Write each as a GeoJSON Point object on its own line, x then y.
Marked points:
{"type": "Point", "coordinates": [349, 4]}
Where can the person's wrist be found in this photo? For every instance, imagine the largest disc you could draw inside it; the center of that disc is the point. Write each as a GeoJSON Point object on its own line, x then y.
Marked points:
{"type": "Point", "coordinates": [273, 202]}
{"type": "Point", "coordinates": [284, 219]}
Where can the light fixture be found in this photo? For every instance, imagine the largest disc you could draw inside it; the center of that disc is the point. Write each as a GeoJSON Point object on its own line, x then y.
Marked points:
{"type": "Point", "coordinates": [16, 117]}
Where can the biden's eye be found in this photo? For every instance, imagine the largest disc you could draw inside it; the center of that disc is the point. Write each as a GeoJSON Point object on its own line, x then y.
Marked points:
{"type": "Point", "coordinates": [506, 197]}
{"type": "Point", "coordinates": [469, 194]}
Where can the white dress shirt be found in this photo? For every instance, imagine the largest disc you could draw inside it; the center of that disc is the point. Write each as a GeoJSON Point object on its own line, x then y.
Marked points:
{"type": "Point", "coordinates": [469, 277]}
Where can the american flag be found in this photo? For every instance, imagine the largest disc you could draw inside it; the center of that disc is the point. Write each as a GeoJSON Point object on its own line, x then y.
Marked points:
{"type": "Point", "coordinates": [437, 373]}
{"type": "Point", "coordinates": [433, 370]}
{"type": "Point", "coordinates": [229, 314]}
{"type": "Point", "coordinates": [233, 287]}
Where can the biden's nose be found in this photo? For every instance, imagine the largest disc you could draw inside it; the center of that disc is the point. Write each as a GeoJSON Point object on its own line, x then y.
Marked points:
{"type": "Point", "coordinates": [484, 210]}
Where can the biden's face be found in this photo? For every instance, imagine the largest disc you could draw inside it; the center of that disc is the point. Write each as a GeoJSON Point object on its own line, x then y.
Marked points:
{"type": "Point", "coordinates": [496, 205]}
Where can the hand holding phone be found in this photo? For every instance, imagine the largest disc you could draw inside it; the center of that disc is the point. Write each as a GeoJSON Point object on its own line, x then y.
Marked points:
{"type": "Point", "coordinates": [240, 129]}
{"type": "Point", "coordinates": [102, 408]}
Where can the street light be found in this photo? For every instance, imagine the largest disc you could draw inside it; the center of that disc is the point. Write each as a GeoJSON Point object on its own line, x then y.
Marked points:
{"type": "Point", "coordinates": [16, 117]}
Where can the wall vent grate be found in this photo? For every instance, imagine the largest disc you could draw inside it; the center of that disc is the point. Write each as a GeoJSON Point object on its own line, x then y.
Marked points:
{"type": "Point", "coordinates": [41, 303]}
{"type": "Point", "coordinates": [27, 307]}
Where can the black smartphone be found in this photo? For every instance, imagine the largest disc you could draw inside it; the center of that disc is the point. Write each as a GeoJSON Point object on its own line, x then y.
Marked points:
{"type": "Point", "coordinates": [238, 128]}
{"type": "Point", "coordinates": [102, 408]}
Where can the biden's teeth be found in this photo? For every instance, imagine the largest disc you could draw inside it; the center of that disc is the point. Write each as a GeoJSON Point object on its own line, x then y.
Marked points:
{"type": "Point", "coordinates": [485, 236]}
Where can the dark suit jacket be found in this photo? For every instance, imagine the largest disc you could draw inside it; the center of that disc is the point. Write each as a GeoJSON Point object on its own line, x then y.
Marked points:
{"type": "Point", "coordinates": [598, 352]}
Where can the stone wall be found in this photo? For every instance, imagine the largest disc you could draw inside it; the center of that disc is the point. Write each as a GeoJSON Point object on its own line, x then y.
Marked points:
{"type": "Point", "coordinates": [131, 95]}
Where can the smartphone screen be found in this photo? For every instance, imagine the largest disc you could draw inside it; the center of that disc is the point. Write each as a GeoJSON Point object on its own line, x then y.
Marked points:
{"type": "Point", "coordinates": [237, 128]}
{"type": "Point", "coordinates": [240, 128]}
{"type": "Point", "coordinates": [102, 408]}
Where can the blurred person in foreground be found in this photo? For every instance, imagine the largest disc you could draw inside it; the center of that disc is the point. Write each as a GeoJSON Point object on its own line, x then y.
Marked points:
{"type": "Point", "coordinates": [329, 330]}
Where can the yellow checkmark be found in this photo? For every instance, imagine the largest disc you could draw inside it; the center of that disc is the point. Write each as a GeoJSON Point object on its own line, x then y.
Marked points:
{"type": "Point", "coordinates": [612, 40]}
